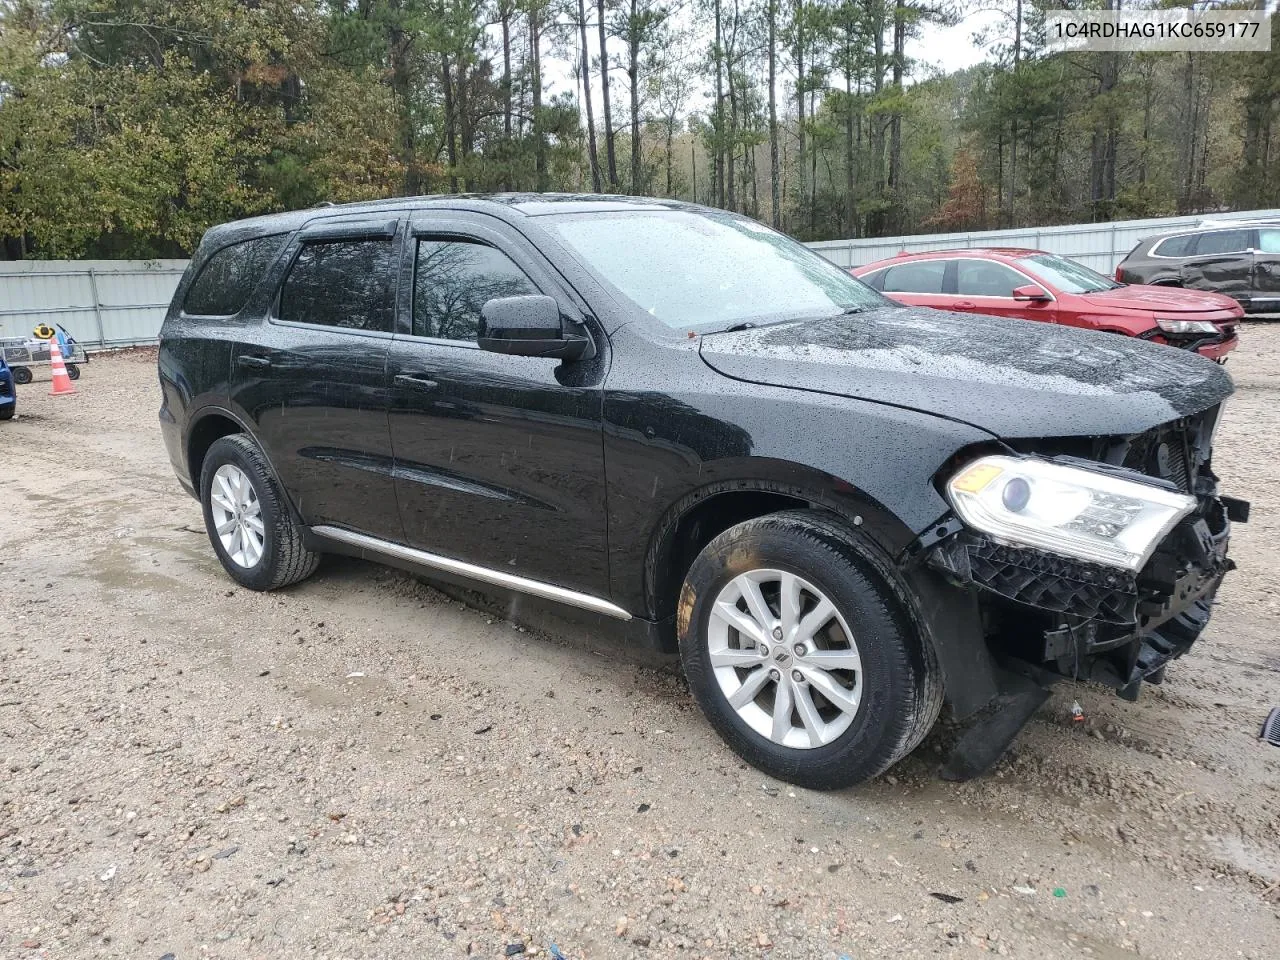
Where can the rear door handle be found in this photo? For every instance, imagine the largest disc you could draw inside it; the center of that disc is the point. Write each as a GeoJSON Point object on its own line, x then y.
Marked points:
{"type": "Point", "coordinates": [253, 363]}
{"type": "Point", "coordinates": [415, 381]}
{"type": "Point", "coordinates": [965, 305]}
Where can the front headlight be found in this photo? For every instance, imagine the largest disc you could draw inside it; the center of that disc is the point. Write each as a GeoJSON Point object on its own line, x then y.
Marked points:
{"type": "Point", "coordinates": [1066, 510]}
{"type": "Point", "coordinates": [1186, 326]}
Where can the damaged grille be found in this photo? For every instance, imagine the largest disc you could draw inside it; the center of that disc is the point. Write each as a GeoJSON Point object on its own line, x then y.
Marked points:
{"type": "Point", "coordinates": [1041, 580]}
{"type": "Point", "coordinates": [1174, 451]}
{"type": "Point", "coordinates": [1177, 454]}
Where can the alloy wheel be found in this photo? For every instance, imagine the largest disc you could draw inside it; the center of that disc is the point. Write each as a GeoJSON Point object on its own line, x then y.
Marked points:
{"type": "Point", "coordinates": [784, 658]}
{"type": "Point", "coordinates": [237, 516]}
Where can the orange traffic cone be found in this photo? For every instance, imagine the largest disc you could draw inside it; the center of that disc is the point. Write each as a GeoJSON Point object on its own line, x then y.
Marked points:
{"type": "Point", "coordinates": [61, 382]}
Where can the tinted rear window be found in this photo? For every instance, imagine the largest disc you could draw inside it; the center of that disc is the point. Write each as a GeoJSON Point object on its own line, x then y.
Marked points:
{"type": "Point", "coordinates": [1223, 241]}
{"type": "Point", "coordinates": [341, 283]}
{"type": "Point", "coordinates": [923, 277]}
{"type": "Point", "coordinates": [229, 276]}
{"type": "Point", "coordinates": [1175, 246]}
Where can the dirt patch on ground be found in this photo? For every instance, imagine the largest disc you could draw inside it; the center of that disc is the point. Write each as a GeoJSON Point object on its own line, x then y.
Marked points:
{"type": "Point", "coordinates": [364, 767]}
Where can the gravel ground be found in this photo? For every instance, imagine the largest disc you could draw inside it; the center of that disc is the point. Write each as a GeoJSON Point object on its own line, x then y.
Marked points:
{"type": "Point", "coordinates": [363, 766]}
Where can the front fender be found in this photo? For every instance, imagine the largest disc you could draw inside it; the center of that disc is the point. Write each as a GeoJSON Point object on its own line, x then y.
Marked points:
{"type": "Point", "coordinates": [665, 452]}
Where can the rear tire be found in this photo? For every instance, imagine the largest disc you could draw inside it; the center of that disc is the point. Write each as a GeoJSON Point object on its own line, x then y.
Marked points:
{"type": "Point", "coordinates": [884, 683]}
{"type": "Point", "coordinates": [6, 413]}
{"type": "Point", "coordinates": [248, 520]}
{"type": "Point", "coordinates": [73, 371]}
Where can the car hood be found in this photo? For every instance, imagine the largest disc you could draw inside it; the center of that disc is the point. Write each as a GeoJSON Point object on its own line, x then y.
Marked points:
{"type": "Point", "coordinates": [1159, 299]}
{"type": "Point", "coordinates": [1008, 377]}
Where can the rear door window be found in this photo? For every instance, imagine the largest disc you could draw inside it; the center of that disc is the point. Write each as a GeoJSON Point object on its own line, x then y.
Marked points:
{"type": "Point", "coordinates": [984, 278]}
{"type": "Point", "coordinates": [1223, 241]}
{"type": "Point", "coordinates": [341, 283]}
{"type": "Point", "coordinates": [1175, 246]}
{"type": "Point", "coordinates": [229, 277]}
{"type": "Point", "coordinates": [922, 277]}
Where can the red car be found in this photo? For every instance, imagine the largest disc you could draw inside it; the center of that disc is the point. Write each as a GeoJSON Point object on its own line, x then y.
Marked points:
{"type": "Point", "coordinates": [1034, 285]}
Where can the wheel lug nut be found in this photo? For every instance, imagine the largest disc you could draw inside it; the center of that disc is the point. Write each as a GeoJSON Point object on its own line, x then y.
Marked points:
{"type": "Point", "coordinates": [797, 676]}
{"type": "Point", "coordinates": [801, 649]}
{"type": "Point", "coordinates": [777, 633]}
{"type": "Point", "coordinates": [764, 650]}
{"type": "Point", "coordinates": [774, 674]}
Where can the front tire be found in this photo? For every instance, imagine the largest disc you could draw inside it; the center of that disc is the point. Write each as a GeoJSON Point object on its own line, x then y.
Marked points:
{"type": "Point", "coordinates": [247, 519]}
{"type": "Point", "coordinates": [6, 413]}
{"type": "Point", "coordinates": [801, 656]}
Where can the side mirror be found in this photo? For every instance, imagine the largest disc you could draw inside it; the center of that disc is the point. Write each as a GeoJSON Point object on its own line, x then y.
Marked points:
{"type": "Point", "coordinates": [1031, 293]}
{"type": "Point", "coordinates": [529, 326]}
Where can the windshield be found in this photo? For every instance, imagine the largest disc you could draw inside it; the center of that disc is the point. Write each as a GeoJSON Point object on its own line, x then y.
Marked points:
{"type": "Point", "coordinates": [1067, 275]}
{"type": "Point", "coordinates": [710, 271]}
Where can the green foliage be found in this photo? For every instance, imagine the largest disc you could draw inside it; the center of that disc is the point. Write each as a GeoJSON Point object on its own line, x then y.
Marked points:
{"type": "Point", "coordinates": [127, 127]}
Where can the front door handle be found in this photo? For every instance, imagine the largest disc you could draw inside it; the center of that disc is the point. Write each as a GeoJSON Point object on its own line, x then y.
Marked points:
{"type": "Point", "coordinates": [415, 381]}
{"type": "Point", "coordinates": [253, 363]}
{"type": "Point", "coordinates": [964, 305]}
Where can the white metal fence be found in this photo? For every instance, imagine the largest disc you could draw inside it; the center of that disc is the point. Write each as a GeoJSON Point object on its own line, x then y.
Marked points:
{"type": "Point", "coordinates": [1097, 245]}
{"type": "Point", "coordinates": [103, 303]}
{"type": "Point", "coordinates": [113, 303]}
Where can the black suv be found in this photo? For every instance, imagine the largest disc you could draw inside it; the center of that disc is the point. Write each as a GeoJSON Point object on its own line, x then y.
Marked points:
{"type": "Point", "coordinates": [1240, 259]}
{"type": "Point", "coordinates": [843, 512]}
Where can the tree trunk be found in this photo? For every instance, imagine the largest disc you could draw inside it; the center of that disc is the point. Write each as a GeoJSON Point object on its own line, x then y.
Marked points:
{"type": "Point", "coordinates": [466, 131]}
{"type": "Point", "coordinates": [851, 207]}
{"type": "Point", "coordinates": [586, 95]}
{"type": "Point", "coordinates": [813, 172]}
{"type": "Point", "coordinates": [731, 177]}
{"type": "Point", "coordinates": [1102, 145]}
{"type": "Point", "coordinates": [717, 125]}
{"type": "Point", "coordinates": [693, 163]}
{"type": "Point", "coordinates": [506, 70]}
{"type": "Point", "coordinates": [633, 75]}
{"type": "Point", "coordinates": [775, 174]}
{"type": "Point", "coordinates": [450, 124]}
{"type": "Point", "coordinates": [400, 83]}
{"type": "Point", "coordinates": [670, 145]}
{"type": "Point", "coordinates": [895, 123]}
{"type": "Point", "coordinates": [535, 67]}
{"type": "Point", "coordinates": [801, 170]}
{"type": "Point", "coordinates": [608, 107]}
{"type": "Point", "coordinates": [875, 125]}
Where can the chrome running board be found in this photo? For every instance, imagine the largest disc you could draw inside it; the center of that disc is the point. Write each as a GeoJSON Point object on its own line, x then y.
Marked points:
{"type": "Point", "coordinates": [497, 578]}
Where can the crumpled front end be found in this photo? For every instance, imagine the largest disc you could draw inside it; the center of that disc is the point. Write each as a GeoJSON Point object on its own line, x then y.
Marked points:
{"type": "Point", "coordinates": [1089, 621]}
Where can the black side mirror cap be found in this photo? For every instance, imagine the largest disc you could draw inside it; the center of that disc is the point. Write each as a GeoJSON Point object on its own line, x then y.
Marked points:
{"type": "Point", "coordinates": [530, 326]}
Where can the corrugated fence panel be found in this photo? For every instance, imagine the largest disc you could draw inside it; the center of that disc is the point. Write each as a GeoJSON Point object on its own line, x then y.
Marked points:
{"type": "Point", "coordinates": [1097, 245]}
{"type": "Point", "coordinates": [103, 303]}
{"type": "Point", "coordinates": [109, 303]}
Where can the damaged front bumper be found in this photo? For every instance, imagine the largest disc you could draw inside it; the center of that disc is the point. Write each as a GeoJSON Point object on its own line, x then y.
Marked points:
{"type": "Point", "coordinates": [1083, 621]}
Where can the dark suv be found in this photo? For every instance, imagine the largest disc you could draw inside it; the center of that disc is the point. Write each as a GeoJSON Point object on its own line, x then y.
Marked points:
{"type": "Point", "coordinates": [8, 392]}
{"type": "Point", "coordinates": [842, 511]}
{"type": "Point", "coordinates": [1240, 259]}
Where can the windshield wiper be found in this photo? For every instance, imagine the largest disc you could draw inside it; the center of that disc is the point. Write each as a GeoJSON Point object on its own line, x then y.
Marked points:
{"type": "Point", "coordinates": [750, 325]}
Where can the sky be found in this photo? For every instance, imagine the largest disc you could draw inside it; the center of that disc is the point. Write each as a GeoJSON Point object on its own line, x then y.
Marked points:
{"type": "Point", "coordinates": [951, 48]}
